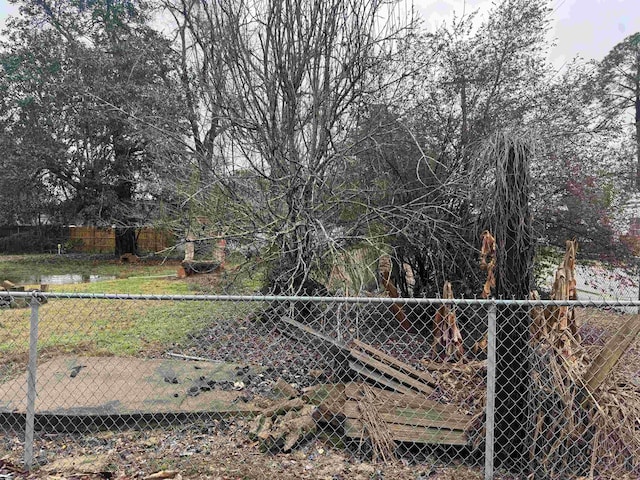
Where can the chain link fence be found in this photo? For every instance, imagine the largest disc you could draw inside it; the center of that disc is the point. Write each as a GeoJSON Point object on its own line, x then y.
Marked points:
{"type": "Point", "coordinates": [512, 389]}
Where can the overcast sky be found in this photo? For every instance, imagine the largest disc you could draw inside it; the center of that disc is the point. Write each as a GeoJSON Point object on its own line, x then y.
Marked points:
{"type": "Point", "coordinates": [589, 28]}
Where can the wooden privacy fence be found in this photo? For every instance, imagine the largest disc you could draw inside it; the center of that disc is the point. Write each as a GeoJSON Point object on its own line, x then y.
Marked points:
{"type": "Point", "coordinates": [103, 240]}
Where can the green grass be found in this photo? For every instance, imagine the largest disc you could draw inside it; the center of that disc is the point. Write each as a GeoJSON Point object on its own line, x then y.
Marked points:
{"type": "Point", "coordinates": [19, 267]}
{"type": "Point", "coordinates": [132, 286]}
{"type": "Point", "coordinates": [115, 327]}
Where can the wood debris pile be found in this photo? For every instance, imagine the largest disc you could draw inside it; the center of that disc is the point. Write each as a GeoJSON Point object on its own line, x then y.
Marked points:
{"type": "Point", "coordinates": [7, 286]}
{"type": "Point", "coordinates": [583, 417]}
{"type": "Point", "coordinates": [386, 402]}
{"type": "Point", "coordinates": [6, 300]}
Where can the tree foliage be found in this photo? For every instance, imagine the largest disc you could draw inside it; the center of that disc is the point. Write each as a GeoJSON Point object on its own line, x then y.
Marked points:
{"type": "Point", "coordinates": [616, 90]}
{"type": "Point", "coordinates": [81, 89]}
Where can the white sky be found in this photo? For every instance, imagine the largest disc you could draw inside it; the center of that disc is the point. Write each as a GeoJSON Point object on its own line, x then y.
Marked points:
{"type": "Point", "coordinates": [589, 28]}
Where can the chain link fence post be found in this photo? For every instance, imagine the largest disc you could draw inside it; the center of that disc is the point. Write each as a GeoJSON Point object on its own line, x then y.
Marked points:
{"type": "Point", "coordinates": [491, 394]}
{"type": "Point", "coordinates": [31, 384]}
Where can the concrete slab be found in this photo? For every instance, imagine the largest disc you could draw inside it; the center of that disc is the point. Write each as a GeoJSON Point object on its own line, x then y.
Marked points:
{"type": "Point", "coordinates": [73, 385]}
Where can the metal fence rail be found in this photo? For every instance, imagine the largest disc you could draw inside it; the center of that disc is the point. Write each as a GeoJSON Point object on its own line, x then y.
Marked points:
{"type": "Point", "coordinates": [536, 389]}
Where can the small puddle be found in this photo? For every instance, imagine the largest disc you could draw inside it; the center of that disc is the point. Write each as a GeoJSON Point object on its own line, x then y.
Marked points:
{"type": "Point", "coordinates": [65, 279]}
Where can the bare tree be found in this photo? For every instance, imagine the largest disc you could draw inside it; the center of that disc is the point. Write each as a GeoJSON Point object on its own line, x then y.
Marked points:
{"type": "Point", "coordinates": [275, 91]}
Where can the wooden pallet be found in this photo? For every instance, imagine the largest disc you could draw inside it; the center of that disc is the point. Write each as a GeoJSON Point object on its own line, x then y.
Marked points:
{"type": "Point", "coordinates": [400, 398]}
{"type": "Point", "coordinates": [407, 417]}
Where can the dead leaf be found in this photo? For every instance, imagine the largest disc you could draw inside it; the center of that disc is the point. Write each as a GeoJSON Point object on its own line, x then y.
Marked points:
{"type": "Point", "coordinates": [87, 464]}
{"type": "Point", "coordinates": [162, 474]}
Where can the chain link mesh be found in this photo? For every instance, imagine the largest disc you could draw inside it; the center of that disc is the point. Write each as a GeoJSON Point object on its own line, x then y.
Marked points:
{"type": "Point", "coordinates": [378, 379]}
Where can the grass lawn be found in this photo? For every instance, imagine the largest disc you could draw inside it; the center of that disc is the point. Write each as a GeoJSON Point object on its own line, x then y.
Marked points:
{"type": "Point", "coordinates": [19, 267]}
{"type": "Point", "coordinates": [111, 327]}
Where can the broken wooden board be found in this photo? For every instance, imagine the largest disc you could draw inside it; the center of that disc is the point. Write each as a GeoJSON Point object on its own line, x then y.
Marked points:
{"type": "Point", "coordinates": [610, 354]}
{"type": "Point", "coordinates": [398, 376]}
{"type": "Point", "coordinates": [408, 433]}
{"type": "Point", "coordinates": [378, 378]}
{"type": "Point", "coordinates": [353, 391]}
{"type": "Point", "coordinates": [424, 417]}
{"type": "Point", "coordinates": [375, 365]}
{"type": "Point", "coordinates": [423, 377]}
{"type": "Point", "coordinates": [382, 371]}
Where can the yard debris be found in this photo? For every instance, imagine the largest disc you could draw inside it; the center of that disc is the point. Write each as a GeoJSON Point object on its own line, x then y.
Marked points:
{"type": "Point", "coordinates": [163, 474]}
{"type": "Point", "coordinates": [385, 267]}
{"type": "Point", "coordinates": [488, 259]}
{"type": "Point", "coordinates": [400, 371]}
{"type": "Point", "coordinates": [391, 403]}
{"type": "Point", "coordinates": [488, 262]}
{"type": "Point", "coordinates": [407, 418]}
{"type": "Point", "coordinates": [10, 468]}
{"type": "Point", "coordinates": [374, 364]}
{"type": "Point", "coordinates": [446, 334]}
{"type": "Point", "coordinates": [361, 411]}
{"type": "Point", "coordinates": [539, 328]}
{"type": "Point", "coordinates": [7, 300]}
{"type": "Point", "coordinates": [283, 388]}
{"type": "Point", "coordinates": [281, 427]}
{"type": "Point", "coordinates": [558, 324]}
{"type": "Point", "coordinates": [10, 286]}
{"type": "Point", "coordinates": [578, 401]}
{"type": "Point", "coordinates": [561, 320]}
{"type": "Point", "coordinates": [283, 407]}
{"type": "Point", "coordinates": [193, 267]}
{"type": "Point", "coordinates": [374, 425]}
{"type": "Point", "coordinates": [221, 451]}
{"type": "Point", "coordinates": [611, 353]}
{"type": "Point", "coordinates": [466, 368]}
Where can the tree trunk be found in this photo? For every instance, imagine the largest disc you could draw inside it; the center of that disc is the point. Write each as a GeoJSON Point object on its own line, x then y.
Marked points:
{"type": "Point", "coordinates": [126, 241]}
{"type": "Point", "coordinates": [514, 278]}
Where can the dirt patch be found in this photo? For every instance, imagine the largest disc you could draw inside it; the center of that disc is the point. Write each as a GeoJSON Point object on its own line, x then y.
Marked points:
{"type": "Point", "coordinates": [112, 386]}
